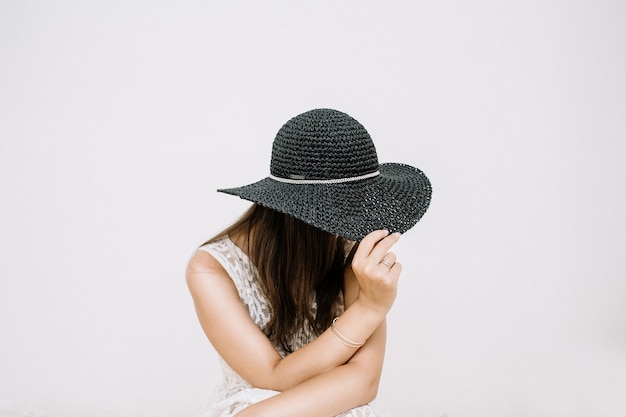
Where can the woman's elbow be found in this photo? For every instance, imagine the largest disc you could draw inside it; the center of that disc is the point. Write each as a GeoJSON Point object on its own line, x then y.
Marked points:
{"type": "Point", "coordinates": [367, 383]}
{"type": "Point", "coordinates": [371, 389]}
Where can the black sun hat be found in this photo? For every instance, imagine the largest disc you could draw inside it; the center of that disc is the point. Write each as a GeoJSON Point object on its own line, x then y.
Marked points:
{"type": "Point", "coordinates": [325, 172]}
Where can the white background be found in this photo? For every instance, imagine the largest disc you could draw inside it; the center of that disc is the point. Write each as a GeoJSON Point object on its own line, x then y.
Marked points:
{"type": "Point", "coordinates": [120, 119]}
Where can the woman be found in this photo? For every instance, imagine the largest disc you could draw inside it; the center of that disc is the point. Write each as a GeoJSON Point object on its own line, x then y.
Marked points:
{"type": "Point", "coordinates": [293, 305]}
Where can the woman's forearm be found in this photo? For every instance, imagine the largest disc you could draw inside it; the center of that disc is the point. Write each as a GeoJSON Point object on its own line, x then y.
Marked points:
{"type": "Point", "coordinates": [323, 396]}
{"type": "Point", "coordinates": [342, 388]}
{"type": "Point", "coordinates": [326, 352]}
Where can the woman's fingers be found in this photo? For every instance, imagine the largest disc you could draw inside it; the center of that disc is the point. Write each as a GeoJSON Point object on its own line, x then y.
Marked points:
{"type": "Point", "coordinates": [376, 245]}
{"type": "Point", "coordinates": [376, 269]}
{"type": "Point", "coordinates": [389, 260]}
{"type": "Point", "coordinates": [382, 247]}
{"type": "Point", "coordinates": [369, 242]}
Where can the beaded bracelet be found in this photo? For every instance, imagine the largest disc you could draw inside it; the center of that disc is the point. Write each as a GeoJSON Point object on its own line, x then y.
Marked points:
{"type": "Point", "coordinates": [344, 340]}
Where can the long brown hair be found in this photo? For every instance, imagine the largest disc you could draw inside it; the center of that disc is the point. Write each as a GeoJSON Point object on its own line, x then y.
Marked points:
{"type": "Point", "coordinates": [297, 264]}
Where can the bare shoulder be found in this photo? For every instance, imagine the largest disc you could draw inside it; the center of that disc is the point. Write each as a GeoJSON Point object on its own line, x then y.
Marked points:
{"type": "Point", "coordinates": [203, 262]}
{"type": "Point", "coordinates": [203, 269]}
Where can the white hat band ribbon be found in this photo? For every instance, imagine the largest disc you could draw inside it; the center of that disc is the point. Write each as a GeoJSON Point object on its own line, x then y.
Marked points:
{"type": "Point", "coordinates": [330, 181]}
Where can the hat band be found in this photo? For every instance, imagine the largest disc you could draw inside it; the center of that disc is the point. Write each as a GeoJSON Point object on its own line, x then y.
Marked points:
{"type": "Point", "coordinates": [330, 181]}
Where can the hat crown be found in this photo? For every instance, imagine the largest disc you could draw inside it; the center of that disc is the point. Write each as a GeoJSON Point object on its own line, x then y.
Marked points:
{"type": "Point", "coordinates": [323, 144]}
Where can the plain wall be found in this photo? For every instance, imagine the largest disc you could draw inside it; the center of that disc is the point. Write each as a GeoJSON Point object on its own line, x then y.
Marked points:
{"type": "Point", "coordinates": [120, 119]}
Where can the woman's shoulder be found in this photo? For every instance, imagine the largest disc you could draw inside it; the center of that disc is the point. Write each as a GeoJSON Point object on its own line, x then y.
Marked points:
{"type": "Point", "coordinates": [222, 257]}
{"type": "Point", "coordinates": [202, 261]}
{"type": "Point", "coordinates": [203, 265]}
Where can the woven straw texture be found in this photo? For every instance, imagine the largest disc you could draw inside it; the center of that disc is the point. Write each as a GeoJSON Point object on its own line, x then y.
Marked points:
{"type": "Point", "coordinates": [326, 144]}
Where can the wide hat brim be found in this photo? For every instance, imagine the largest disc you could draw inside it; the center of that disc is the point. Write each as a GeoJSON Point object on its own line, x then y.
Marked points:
{"type": "Point", "coordinates": [395, 200]}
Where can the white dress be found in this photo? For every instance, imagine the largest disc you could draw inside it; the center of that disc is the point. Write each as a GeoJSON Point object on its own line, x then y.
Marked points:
{"type": "Point", "coordinates": [234, 394]}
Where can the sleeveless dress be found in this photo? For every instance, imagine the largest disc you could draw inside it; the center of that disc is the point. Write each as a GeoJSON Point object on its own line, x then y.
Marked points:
{"type": "Point", "coordinates": [234, 393]}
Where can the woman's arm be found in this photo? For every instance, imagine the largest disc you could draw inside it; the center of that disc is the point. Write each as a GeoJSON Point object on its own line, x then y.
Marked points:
{"type": "Point", "coordinates": [247, 350]}
{"type": "Point", "coordinates": [329, 394]}
{"type": "Point", "coordinates": [342, 388]}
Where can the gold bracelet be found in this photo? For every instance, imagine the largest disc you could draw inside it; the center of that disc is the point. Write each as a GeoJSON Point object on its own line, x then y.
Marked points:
{"type": "Point", "coordinates": [344, 340]}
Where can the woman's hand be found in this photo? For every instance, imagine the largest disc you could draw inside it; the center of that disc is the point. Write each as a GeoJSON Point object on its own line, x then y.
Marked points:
{"type": "Point", "coordinates": [377, 271]}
